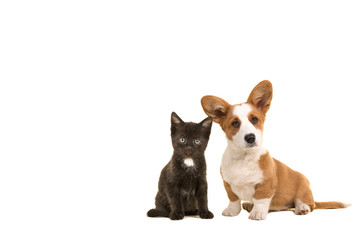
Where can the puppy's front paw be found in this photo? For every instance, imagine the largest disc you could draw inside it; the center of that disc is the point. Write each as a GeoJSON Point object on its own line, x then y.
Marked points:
{"type": "Point", "coordinates": [176, 215]}
{"type": "Point", "coordinates": [257, 215]}
{"type": "Point", "coordinates": [206, 215]}
{"type": "Point", "coordinates": [231, 212]}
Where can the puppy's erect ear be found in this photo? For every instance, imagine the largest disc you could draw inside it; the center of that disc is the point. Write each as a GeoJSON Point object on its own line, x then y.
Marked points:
{"type": "Point", "coordinates": [206, 123]}
{"type": "Point", "coordinates": [175, 119]}
{"type": "Point", "coordinates": [261, 96]}
{"type": "Point", "coordinates": [215, 107]}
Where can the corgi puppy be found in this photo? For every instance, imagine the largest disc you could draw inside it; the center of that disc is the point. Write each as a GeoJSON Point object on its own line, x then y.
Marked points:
{"type": "Point", "coordinates": [247, 168]}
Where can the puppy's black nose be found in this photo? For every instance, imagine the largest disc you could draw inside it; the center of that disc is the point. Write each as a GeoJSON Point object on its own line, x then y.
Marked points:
{"type": "Point", "coordinates": [250, 138]}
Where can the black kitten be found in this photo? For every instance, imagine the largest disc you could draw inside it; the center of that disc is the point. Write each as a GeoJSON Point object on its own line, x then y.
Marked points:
{"type": "Point", "coordinates": [182, 183]}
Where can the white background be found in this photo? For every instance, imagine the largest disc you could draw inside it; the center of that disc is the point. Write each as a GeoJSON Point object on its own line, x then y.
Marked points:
{"type": "Point", "coordinates": [87, 89]}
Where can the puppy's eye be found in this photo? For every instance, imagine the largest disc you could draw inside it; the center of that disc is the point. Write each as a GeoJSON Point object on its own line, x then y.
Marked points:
{"type": "Point", "coordinates": [182, 140]}
{"type": "Point", "coordinates": [197, 141]}
{"type": "Point", "coordinates": [235, 124]}
{"type": "Point", "coordinates": [254, 120]}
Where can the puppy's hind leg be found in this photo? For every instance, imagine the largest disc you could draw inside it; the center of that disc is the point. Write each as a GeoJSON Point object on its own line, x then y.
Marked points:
{"type": "Point", "coordinates": [248, 206]}
{"type": "Point", "coordinates": [301, 208]}
{"type": "Point", "coordinates": [304, 201]}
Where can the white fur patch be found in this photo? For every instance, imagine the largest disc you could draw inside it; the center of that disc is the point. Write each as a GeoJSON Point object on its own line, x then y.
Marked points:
{"type": "Point", "coordinates": [233, 209]}
{"type": "Point", "coordinates": [347, 204]}
{"type": "Point", "coordinates": [242, 112]}
{"type": "Point", "coordinates": [240, 169]}
{"type": "Point", "coordinates": [189, 162]}
{"type": "Point", "coordinates": [260, 209]}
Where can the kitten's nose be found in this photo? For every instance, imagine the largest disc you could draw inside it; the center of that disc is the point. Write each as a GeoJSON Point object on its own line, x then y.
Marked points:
{"type": "Point", "coordinates": [188, 149]}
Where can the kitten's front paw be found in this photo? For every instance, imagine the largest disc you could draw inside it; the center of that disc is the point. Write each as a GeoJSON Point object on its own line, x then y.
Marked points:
{"type": "Point", "coordinates": [257, 215]}
{"type": "Point", "coordinates": [206, 215]}
{"type": "Point", "coordinates": [176, 215]}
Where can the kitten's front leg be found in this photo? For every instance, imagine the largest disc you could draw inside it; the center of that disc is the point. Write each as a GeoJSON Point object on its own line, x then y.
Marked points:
{"type": "Point", "coordinates": [201, 196]}
{"type": "Point", "coordinates": [176, 205]}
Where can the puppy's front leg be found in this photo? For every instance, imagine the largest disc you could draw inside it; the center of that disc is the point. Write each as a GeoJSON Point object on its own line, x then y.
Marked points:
{"type": "Point", "coordinates": [260, 209]}
{"type": "Point", "coordinates": [264, 191]}
{"type": "Point", "coordinates": [233, 209]}
{"type": "Point", "coordinates": [234, 206]}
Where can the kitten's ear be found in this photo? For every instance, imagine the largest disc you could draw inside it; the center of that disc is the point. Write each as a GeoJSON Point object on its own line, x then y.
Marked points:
{"type": "Point", "coordinates": [261, 96]}
{"type": "Point", "coordinates": [175, 119]}
{"type": "Point", "coordinates": [206, 123]}
{"type": "Point", "coordinates": [215, 107]}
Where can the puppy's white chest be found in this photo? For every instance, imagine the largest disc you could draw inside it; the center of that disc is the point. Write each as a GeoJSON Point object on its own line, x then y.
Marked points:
{"type": "Point", "coordinates": [242, 172]}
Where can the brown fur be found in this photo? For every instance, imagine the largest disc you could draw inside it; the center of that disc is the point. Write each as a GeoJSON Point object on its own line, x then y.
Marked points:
{"type": "Point", "coordinates": [231, 195]}
{"type": "Point", "coordinates": [222, 114]}
{"type": "Point", "coordinates": [259, 115]}
{"type": "Point", "coordinates": [261, 96]}
{"type": "Point", "coordinates": [282, 184]}
{"type": "Point", "coordinates": [329, 205]}
{"type": "Point", "coordinates": [248, 206]}
{"type": "Point", "coordinates": [267, 188]}
{"type": "Point", "coordinates": [216, 107]}
{"type": "Point", "coordinates": [226, 124]}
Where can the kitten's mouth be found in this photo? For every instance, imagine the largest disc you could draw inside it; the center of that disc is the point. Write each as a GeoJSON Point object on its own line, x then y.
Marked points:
{"type": "Point", "coordinates": [189, 152]}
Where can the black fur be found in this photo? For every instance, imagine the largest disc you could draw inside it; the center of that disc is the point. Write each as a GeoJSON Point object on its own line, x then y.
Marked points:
{"type": "Point", "coordinates": [183, 189]}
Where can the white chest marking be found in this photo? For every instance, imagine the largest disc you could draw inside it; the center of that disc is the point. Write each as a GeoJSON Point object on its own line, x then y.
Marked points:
{"type": "Point", "coordinates": [241, 170]}
{"type": "Point", "coordinates": [189, 162]}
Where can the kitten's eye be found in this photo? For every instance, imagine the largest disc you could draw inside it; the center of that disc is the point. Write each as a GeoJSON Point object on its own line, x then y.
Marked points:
{"type": "Point", "coordinates": [235, 124]}
{"type": "Point", "coordinates": [254, 120]}
{"type": "Point", "coordinates": [197, 141]}
{"type": "Point", "coordinates": [182, 140]}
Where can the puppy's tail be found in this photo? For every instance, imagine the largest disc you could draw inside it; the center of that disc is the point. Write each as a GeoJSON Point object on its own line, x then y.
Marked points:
{"type": "Point", "coordinates": [331, 205]}
{"type": "Point", "coordinates": [157, 213]}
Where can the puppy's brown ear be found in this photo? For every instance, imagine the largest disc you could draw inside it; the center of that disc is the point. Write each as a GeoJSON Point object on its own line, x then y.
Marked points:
{"type": "Point", "coordinates": [261, 96]}
{"type": "Point", "coordinates": [215, 107]}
